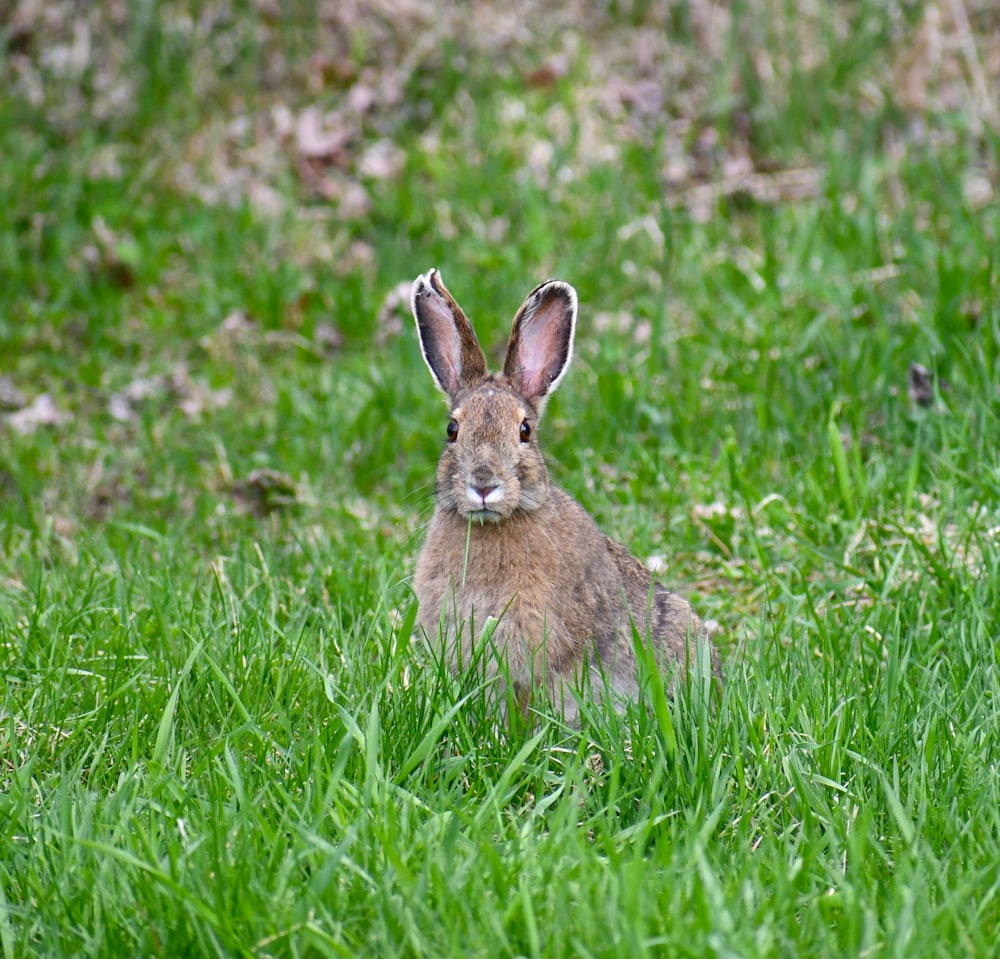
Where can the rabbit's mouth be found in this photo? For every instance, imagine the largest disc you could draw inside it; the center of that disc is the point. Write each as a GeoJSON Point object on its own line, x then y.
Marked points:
{"type": "Point", "coordinates": [483, 516]}
{"type": "Point", "coordinates": [486, 498]}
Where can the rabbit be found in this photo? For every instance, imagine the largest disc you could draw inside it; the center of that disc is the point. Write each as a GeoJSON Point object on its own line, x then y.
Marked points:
{"type": "Point", "coordinates": [507, 548]}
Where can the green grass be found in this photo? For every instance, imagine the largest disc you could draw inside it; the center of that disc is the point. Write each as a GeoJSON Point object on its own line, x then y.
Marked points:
{"type": "Point", "coordinates": [216, 737]}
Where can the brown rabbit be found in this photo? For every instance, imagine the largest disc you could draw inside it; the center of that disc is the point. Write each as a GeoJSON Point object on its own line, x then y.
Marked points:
{"type": "Point", "coordinates": [505, 546]}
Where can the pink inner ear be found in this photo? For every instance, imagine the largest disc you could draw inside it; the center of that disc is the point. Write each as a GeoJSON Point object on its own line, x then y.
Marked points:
{"type": "Point", "coordinates": [539, 354]}
{"type": "Point", "coordinates": [447, 338]}
{"type": "Point", "coordinates": [542, 341]}
{"type": "Point", "coordinates": [452, 367]}
{"type": "Point", "coordinates": [442, 348]}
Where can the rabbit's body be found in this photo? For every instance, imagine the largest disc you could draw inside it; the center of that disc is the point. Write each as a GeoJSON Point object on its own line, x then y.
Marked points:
{"type": "Point", "coordinates": [554, 613]}
{"type": "Point", "coordinates": [505, 544]}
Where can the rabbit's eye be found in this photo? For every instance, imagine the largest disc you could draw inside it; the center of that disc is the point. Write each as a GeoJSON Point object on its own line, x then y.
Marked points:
{"type": "Point", "coordinates": [452, 430]}
{"type": "Point", "coordinates": [525, 431]}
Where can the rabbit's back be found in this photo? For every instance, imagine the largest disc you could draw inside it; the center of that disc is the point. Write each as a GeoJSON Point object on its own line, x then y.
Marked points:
{"type": "Point", "coordinates": [665, 617]}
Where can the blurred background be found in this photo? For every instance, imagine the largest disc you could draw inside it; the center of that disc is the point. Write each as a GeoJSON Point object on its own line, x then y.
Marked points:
{"type": "Point", "coordinates": [212, 213]}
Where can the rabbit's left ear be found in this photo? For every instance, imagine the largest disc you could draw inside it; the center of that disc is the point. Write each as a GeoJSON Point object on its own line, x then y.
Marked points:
{"type": "Point", "coordinates": [541, 340]}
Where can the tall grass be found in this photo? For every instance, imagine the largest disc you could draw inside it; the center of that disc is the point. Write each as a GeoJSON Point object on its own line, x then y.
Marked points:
{"type": "Point", "coordinates": [217, 736]}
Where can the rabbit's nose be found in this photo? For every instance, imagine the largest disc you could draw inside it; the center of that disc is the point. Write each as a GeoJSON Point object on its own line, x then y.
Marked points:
{"type": "Point", "coordinates": [483, 492]}
{"type": "Point", "coordinates": [483, 477]}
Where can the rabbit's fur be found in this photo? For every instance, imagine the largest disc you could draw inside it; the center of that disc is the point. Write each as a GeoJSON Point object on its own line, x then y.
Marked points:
{"type": "Point", "coordinates": [506, 544]}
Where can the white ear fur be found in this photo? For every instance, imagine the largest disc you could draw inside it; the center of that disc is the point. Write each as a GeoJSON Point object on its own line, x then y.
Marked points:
{"type": "Point", "coordinates": [422, 287]}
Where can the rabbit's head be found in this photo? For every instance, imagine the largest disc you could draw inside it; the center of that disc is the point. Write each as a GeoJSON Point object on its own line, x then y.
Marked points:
{"type": "Point", "coordinates": [491, 467]}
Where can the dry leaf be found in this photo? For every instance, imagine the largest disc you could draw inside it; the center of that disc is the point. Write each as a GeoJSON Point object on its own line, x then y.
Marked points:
{"type": "Point", "coordinates": [238, 326]}
{"type": "Point", "coordinates": [920, 385]}
{"type": "Point", "coordinates": [383, 160]}
{"type": "Point", "coordinates": [977, 190]}
{"type": "Point", "coordinates": [42, 412]}
{"type": "Point", "coordinates": [11, 398]}
{"type": "Point", "coordinates": [121, 405]}
{"type": "Point", "coordinates": [351, 197]}
{"type": "Point", "coordinates": [553, 69]}
{"type": "Point", "coordinates": [194, 397]}
{"type": "Point", "coordinates": [264, 491]}
{"type": "Point", "coordinates": [645, 97]}
{"type": "Point", "coordinates": [327, 337]}
{"type": "Point", "coordinates": [316, 140]}
{"type": "Point", "coordinates": [393, 311]}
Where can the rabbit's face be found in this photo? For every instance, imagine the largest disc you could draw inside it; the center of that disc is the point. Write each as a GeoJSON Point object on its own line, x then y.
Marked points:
{"type": "Point", "coordinates": [491, 466]}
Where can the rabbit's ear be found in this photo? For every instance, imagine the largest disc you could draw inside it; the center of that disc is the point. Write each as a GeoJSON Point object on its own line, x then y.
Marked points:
{"type": "Point", "coordinates": [447, 340]}
{"type": "Point", "coordinates": [541, 340]}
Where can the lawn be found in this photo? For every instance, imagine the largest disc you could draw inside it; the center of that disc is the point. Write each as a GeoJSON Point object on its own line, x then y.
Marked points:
{"type": "Point", "coordinates": [218, 441]}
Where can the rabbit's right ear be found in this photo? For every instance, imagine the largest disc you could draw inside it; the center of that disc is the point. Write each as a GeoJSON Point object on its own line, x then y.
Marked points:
{"type": "Point", "coordinates": [447, 340]}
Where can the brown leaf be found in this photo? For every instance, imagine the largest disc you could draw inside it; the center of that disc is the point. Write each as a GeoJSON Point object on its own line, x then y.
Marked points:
{"type": "Point", "coordinates": [11, 398]}
{"type": "Point", "coordinates": [265, 490]}
{"type": "Point", "coordinates": [238, 325]}
{"type": "Point", "coordinates": [42, 412]}
{"type": "Point", "coordinates": [115, 254]}
{"type": "Point", "coordinates": [383, 160]}
{"type": "Point", "coordinates": [194, 397]}
{"type": "Point", "coordinates": [645, 97]}
{"type": "Point", "coordinates": [920, 386]}
{"type": "Point", "coordinates": [546, 75]}
{"type": "Point", "coordinates": [394, 310]}
{"type": "Point", "coordinates": [351, 198]}
{"type": "Point", "coordinates": [316, 139]}
{"type": "Point", "coordinates": [121, 405]}
{"type": "Point", "coordinates": [327, 337]}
